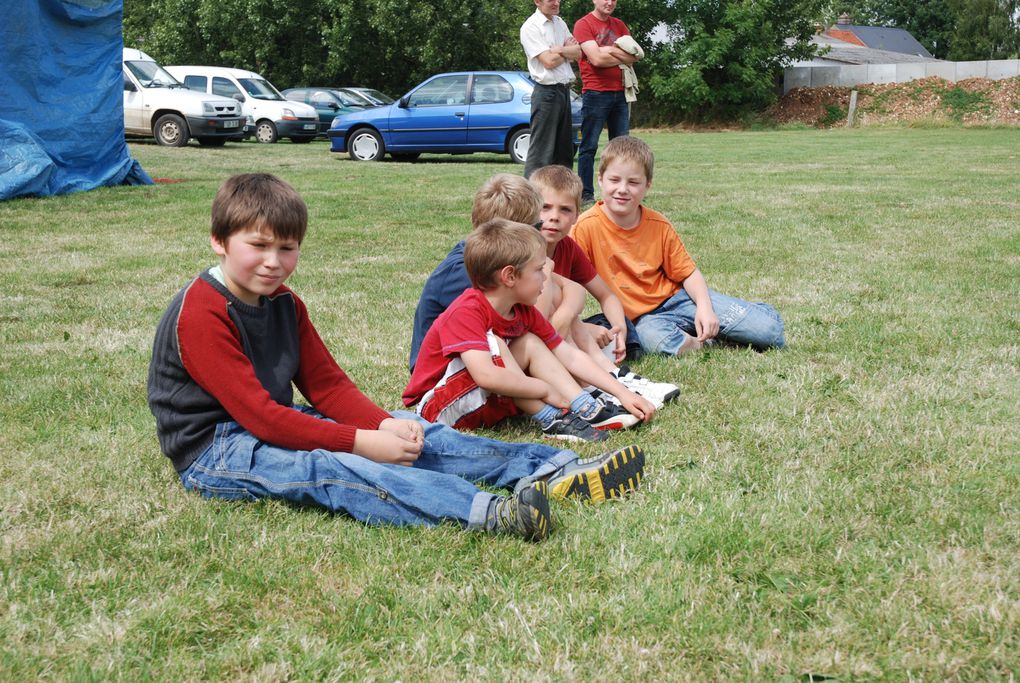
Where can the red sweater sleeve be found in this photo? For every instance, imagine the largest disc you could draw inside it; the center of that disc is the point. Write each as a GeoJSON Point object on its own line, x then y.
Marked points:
{"type": "Point", "coordinates": [212, 354]}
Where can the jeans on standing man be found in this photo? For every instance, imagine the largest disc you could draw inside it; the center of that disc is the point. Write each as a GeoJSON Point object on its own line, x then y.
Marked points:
{"type": "Point", "coordinates": [601, 110]}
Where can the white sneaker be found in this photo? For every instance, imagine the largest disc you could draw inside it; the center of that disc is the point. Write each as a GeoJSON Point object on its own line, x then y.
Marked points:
{"type": "Point", "coordinates": [659, 393]}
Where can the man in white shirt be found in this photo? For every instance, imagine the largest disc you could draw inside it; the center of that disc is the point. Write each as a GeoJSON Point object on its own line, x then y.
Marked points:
{"type": "Point", "coordinates": [550, 48]}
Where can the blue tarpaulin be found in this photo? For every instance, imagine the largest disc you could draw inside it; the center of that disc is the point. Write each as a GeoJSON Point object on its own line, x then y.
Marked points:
{"type": "Point", "coordinates": [61, 98]}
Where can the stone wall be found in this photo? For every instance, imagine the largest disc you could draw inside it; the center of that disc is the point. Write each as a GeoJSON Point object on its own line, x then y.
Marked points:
{"type": "Point", "coordinates": [853, 74]}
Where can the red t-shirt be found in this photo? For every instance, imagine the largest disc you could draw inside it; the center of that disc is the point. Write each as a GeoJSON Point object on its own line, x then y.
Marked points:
{"type": "Point", "coordinates": [570, 262]}
{"type": "Point", "coordinates": [604, 33]}
{"type": "Point", "coordinates": [463, 327]}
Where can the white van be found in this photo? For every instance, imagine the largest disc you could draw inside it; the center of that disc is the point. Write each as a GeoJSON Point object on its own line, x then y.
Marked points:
{"type": "Point", "coordinates": [270, 114]}
{"type": "Point", "coordinates": [156, 104]}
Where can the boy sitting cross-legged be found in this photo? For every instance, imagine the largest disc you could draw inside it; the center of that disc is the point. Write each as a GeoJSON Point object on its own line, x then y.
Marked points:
{"type": "Point", "coordinates": [639, 254]}
{"type": "Point", "coordinates": [492, 355]}
{"type": "Point", "coordinates": [235, 342]}
{"type": "Point", "coordinates": [561, 190]}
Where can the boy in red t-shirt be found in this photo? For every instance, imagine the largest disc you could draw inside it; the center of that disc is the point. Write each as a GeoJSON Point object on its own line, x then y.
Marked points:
{"type": "Point", "coordinates": [492, 355]}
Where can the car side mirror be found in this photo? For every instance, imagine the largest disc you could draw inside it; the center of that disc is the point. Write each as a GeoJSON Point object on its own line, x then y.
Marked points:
{"type": "Point", "coordinates": [404, 101]}
{"type": "Point", "coordinates": [334, 106]}
{"type": "Point", "coordinates": [129, 86]}
{"type": "Point", "coordinates": [239, 97]}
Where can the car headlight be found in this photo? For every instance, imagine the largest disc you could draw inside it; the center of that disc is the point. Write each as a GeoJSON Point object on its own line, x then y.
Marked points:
{"type": "Point", "coordinates": [208, 108]}
{"type": "Point", "coordinates": [288, 114]}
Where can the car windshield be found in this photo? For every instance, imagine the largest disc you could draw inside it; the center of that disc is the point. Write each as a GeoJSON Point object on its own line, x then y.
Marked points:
{"type": "Point", "coordinates": [378, 96]}
{"type": "Point", "coordinates": [152, 75]}
{"type": "Point", "coordinates": [348, 100]}
{"type": "Point", "coordinates": [260, 89]}
{"type": "Point", "coordinates": [355, 97]}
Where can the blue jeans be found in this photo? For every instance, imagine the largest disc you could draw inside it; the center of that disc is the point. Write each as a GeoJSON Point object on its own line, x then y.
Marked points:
{"type": "Point", "coordinates": [740, 322]}
{"type": "Point", "coordinates": [437, 488]}
{"type": "Point", "coordinates": [600, 109]}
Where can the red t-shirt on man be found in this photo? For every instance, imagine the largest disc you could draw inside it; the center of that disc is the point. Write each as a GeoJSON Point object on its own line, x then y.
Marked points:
{"type": "Point", "coordinates": [604, 33]}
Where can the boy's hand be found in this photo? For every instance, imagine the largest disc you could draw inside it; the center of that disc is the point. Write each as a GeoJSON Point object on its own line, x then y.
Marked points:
{"type": "Point", "coordinates": [383, 446]}
{"type": "Point", "coordinates": [410, 430]}
{"type": "Point", "coordinates": [705, 323]}
{"type": "Point", "coordinates": [601, 335]}
{"type": "Point", "coordinates": [637, 405]}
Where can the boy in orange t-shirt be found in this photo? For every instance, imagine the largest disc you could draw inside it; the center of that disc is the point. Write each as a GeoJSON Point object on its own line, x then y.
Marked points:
{"type": "Point", "coordinates": [640, 256]}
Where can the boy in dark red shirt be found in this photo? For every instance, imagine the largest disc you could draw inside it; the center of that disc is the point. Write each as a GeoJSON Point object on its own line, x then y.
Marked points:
{"type": "Point", "coordinates": [234, 343]}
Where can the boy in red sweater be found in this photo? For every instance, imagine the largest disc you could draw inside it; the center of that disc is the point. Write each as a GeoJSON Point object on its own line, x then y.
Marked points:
{"type": "Point", "coordinates": [234, 343]}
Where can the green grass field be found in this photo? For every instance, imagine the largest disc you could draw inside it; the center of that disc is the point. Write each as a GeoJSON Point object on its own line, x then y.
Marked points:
{"type": "Point", "coordinates": [844, 509]}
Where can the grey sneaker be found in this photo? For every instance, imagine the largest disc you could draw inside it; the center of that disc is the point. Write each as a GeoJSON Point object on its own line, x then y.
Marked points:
{"type": "Point", "coordinates": [524, 514]}
{"type": "Point", "coordinates": [612, 416]}
{"type": "Point", "coordinates": [572, 427]}
{"type": "Point", "coordinates": [609, 475]}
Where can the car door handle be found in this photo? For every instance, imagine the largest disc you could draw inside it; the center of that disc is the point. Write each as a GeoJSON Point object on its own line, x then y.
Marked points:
{"type": "Point", "coordinates": [458, 113]}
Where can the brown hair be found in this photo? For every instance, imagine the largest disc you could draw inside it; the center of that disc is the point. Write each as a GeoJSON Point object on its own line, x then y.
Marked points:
{"type": "Point", "coordinates": [498, 243]}
{"type": "Point", "coordinates": [559, 179]}
{"type": "Point", "coordinates": [628, 148]}
{"type": "Point", "coordinates": [506, 196]}
{"type": "Point", "coordinates": [260, 202]}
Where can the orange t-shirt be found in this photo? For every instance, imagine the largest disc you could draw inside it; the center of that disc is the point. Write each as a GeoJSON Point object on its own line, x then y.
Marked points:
{"type": "Point", "coordinates": [643, 266]}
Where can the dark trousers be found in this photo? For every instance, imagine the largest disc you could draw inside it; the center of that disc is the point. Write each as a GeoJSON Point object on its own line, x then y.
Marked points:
{"type": "Point", "coordinates": [552, 139]}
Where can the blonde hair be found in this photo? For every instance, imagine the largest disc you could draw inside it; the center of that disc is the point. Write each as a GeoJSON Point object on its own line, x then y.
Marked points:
{"type": "Point", "coordinates": [260, 202]}
{"type": "Point", "coordinates": [627, 148]}
{"type": "Point", "coordinates": [506, 196]}
{"type": "Point", "coordinates": [496, 244]}
{"type": "Point", "coordinates": [559, 179]}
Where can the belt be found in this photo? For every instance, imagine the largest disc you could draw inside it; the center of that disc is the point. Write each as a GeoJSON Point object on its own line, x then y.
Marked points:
{"type": "Point", "coordinates": [554, 85]}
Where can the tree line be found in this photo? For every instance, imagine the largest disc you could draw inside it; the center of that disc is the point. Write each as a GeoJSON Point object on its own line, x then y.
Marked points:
{"type": "Point", "coordinates": [704, 58]}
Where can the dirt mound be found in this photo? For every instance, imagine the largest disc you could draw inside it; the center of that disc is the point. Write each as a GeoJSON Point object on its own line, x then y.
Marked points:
{"type": "Point", "coordinates": [975, 101]}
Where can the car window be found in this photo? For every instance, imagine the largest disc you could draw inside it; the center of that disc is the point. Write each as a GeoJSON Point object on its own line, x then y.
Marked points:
{"type": "Point", "coordinates": [296, 94]}
{"type": "Point", "coordinates": [150, 74]}
{"type": "Point", "coordinates": [445, 90]}
{"type": "Point", "coordinates": [490, 89]}
{"type": "Point", "coordinates": [260, 89]}
{"type": "Point", "coordinates": [196, 83]}
{"type": "Point", "coordinates": [322, 98]}
{"type": "Point", "coordinates": [224, 86]}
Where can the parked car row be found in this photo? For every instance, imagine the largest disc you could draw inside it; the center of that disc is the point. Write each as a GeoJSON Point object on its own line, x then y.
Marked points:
{"type": "Point", "coordinates": [451, 113]}
{"type": "Point", "coordinates": [216, 104]}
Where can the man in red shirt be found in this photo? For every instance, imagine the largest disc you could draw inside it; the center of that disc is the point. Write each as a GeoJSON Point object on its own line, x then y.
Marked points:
{"type": "Point", "coordinates": [602, 88]}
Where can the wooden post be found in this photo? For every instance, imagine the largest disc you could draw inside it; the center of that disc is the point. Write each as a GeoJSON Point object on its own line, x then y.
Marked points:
{"type": "Point", "coordinates": [853, 109]}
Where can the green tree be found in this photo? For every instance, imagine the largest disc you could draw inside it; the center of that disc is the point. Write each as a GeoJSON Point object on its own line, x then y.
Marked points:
{"type": "Point", "coordinates": [985, 29]}
{"type": "Point", "coordinates": [724, 57]}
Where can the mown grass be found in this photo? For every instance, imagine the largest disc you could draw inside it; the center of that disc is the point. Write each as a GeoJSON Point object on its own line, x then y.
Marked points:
{"type": "Point", "coordinates": [846, 508]}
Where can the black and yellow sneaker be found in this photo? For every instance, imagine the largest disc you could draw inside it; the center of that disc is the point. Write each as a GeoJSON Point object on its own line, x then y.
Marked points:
{"type": "Point", "coordinates": [524, 514]}
{"type": "Point", "coordinates": [609, 475]}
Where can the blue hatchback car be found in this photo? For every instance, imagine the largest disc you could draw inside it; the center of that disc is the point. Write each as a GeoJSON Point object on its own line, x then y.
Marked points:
{"type": "Point", "coordinates": [453, 113]}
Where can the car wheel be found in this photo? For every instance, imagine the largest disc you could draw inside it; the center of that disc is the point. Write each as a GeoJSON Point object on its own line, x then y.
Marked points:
{"type": "Point", "coordinates": [366, 145]}
{"type": "Point", "coordinates": [405, 156]}
{"type": "Point", "coordinates": [212, 142]}
{"type": "Point", "coordinates": [171, 131]}
{"type": "Point", "coordinates": [302, 140]}
{"type": "Point", "coordinates": [518, 145]}
{"type": "Point", "coordinates": [265, 131]}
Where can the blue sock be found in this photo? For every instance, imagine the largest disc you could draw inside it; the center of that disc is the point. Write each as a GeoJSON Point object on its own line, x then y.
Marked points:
{"type": "Point", "coordinates": [585, 405]}
{"type": "Point", "coordinates": [547, 415]}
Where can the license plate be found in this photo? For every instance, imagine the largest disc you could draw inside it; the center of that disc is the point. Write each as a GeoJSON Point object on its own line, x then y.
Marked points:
{"type": "Point", "coordinates": [231, 124]}
{"type": "Point", "coordinates": [310, 126]}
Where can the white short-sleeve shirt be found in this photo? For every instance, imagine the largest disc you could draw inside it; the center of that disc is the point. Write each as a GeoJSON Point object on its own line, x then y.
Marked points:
{"type": "Point", "coordinates": [539, 34]}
